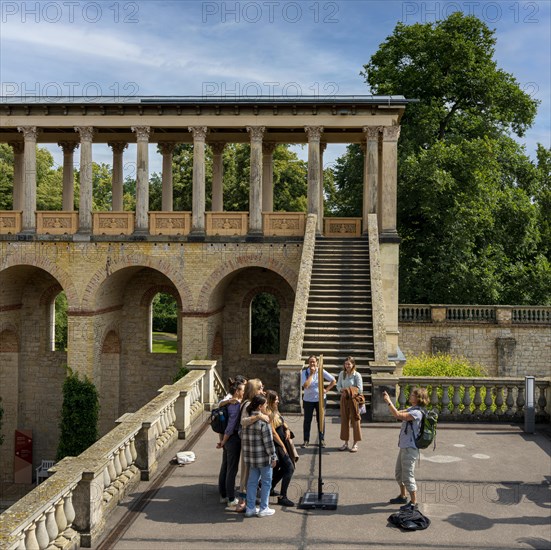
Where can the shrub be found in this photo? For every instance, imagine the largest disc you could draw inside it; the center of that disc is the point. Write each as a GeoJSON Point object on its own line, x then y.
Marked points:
{"type": "Point", "coordinates": [79, 416]}
{"type": "Point", "coordinates": [180, 374]}
{"type": "Point", "coordinates": [451, 366]}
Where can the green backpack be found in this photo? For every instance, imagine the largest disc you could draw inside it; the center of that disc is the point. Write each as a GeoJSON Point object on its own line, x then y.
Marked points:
{"type": "Point", "coordinates": [427, 428]}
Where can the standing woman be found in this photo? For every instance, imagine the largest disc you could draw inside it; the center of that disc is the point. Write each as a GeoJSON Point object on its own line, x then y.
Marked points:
{"type": "Point", "coordinates": [231, 445]}
{"type": "Point", "coordinates": [282, 435]}
{"type": "Point", "coordinates": [311, 397]}
{"type": "Point", "coordinates": [259, 453]}
{"type": "Point", "coordinates": [350, 386]}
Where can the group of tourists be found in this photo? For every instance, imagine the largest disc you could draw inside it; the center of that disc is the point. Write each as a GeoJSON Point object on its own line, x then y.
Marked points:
{"type": "Point", "coordinates": [259, 443]}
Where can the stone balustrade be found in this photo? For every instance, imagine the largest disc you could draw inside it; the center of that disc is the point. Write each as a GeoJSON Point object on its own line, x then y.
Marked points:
{"type": "Point", "coordinates": [342, 227]}
{"type": "Point", "coordinates": [465, 399]}
{"type": "Point", "coordinates": [501, 315]}
{"type": "Point", "coordinates": [70, 508]}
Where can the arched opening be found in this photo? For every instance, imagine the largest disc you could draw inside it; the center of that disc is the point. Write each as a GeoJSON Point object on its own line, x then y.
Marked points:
{"type": "Point", "coordinates": [164, 323]}
{"type": "Point", "coordinates": [264, 324]}
{"type": "Point", "coordinates": [58, 324]}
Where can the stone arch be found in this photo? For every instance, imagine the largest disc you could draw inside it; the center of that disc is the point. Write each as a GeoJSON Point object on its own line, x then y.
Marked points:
{"type": "Point", "coordinates": [153, 291]}
{"type": "Point", "coordinates": [49, 294]}
{"type": "Point", "coordinates": [51, 268]}
{"type": "Point", "coordinates": [248, 298]}
{"type": "Point", "coordinates": [232, 266]}
{"type": "Point", "coordinates": [164, 267]}
{"type": "Point", "coordinates": [9, 342]}
{"type": "Point", "coordinates": [111, 343]}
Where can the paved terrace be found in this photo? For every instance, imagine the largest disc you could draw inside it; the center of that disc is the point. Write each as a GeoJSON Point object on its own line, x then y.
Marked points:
{"type": "Point", "coordinates": [486, 486]}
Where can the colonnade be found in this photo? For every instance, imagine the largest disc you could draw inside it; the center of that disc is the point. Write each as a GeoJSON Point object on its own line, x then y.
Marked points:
{"type": "Point", "coordinates": [379, 190]}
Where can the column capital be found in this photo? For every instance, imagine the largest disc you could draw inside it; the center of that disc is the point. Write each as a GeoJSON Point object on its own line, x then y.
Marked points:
{"type": "Point", "coordinates": [372, 132]}
{"type": "Point", "coordinates": [199, 132]}
{"type": "Point", "coordinates": [217, 147]}
{"type": "Point", "coordinates": [86, 132]}
{"type": "Point", "coordinates": [256, 132]}
{"type": "Point", "coordinates": [391, 133]}
{"type": "Point", "coordinates": [268, 147]}
{"type": "Point", "coordinates": [118, 146]}
{"type": "Point", "coordinates": [17, 146]}
{"type": "Point", "coordinates": [142, 132]}
{"type": "Point", "coordinates": [29, 132]}
{"type": "Point", "coordinates": [68, 146]}
{"type": "Point", "coordinates": [314, 132]}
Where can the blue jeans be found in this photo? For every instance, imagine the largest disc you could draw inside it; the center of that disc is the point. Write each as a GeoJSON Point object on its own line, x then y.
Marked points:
{"type": "Point", "coordinates": [265, 475]}
{"type": "Point", "coordinates": [309, 408]}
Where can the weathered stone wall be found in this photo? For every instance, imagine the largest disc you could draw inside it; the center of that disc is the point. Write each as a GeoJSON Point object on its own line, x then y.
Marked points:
{"type": "Point", "coordinates": [504, 351]}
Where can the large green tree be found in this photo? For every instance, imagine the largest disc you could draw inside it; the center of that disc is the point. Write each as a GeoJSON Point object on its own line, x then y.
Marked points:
{"type": "Point", "coordinates": [471, 203]}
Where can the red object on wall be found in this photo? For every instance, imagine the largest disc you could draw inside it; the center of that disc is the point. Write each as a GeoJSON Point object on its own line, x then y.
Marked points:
{"type": "Point", "coordinates": [23, 463]}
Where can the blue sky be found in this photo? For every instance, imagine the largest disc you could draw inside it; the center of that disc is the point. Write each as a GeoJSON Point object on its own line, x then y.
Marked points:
{"type": "Point", "coordinates": [149, 47]}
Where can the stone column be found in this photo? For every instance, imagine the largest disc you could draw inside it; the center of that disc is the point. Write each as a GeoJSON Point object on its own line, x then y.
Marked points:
{"type": "Point", "coordinates": [18, 172]}
{"type": "Point", "coordinates": [198, 193]}
{"type": "Point", "coordinates": [68, 148]}
{"type": "Point", "coordinates": [323, 147]}
{"type": "Point", "coordinates": [314, 135]}
{"type": "Point", "coordinates": [255, 187]}
{"type": "Point", "coordinates": [118, 176]}
{"type": "Point", "coordinates": [268, 176]}
{"type": "Point", "coordinates": [388, 238]}
{"type": "Point", "coordinates": [85, 201]}
{"type": "Point", "coordinates": [28, 195]}
{"type": "Point", "coordinates": [167, 149]}
{"type": "Point", "coordinates": [217, 202]}
{"type": "Point", "coordinates": [390, 180]}
{"type": "Point", "coordinates": [142, 179]}
{"type": "Point", "coordinates": [371, 172]}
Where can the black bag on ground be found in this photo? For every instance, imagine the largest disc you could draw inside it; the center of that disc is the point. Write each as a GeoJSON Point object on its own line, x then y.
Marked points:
{"type": "Point", "coordinates": [410, 520]}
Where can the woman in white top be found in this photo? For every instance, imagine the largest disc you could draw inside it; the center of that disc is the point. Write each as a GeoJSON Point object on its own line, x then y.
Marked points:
{"type": "Point", "coordinates": [350, 386]}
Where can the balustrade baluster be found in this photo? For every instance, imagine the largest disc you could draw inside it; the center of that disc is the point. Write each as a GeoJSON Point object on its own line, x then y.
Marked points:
{"type": "Point", "coordinates": [402, 397]}
{"type": "Point", "coordinates": [68, 507]}
{"type": "Point", "coordinates": [467, 400]}
{"type": "Point", "coordinates": [434, 397]}
{"type": "Point", "coordinates": [488, 400]}
{"type": "Point", "coordinates": [112, 470]}
{"type": "Point", "coordinates": [42, 536]}
{"type": "Point", "coordinates": [510, 401]}
{"type": "Point", "coordinates": [456, 399]}
{"type": "Point", "coordinates": [128, 454]}
{"type": "Point", "coordinates": [117, 461]}
{"type": "Point", "coordinates": [21, 545]}
{"type": "Point", "coordinates": [173, 414]}
{"type": "Point", "coordinates": [499, 400]}
{"type": "Point", "coordinates": [542, 401]}
{"type": "Point", "coordinates": [477, 398]}
{"type": "Point", "coordinates": [106, 478]}
{"type": "Point", "coordinates": [60, 517]}
{"type": "Point", "coordinates": [30, 538]}
{"type": "Point", "coordinates": [122, 458]}
{"type": "Point", "coordinates": [133, 451]}
{"type": "Point", "coordinates": [51, 524]}
{"type": "Point", "coordinates": [520, 400]}
{"type": "Point", "coordinates": [445, 400]}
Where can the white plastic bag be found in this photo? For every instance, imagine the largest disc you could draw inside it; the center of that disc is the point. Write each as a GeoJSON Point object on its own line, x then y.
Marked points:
{"type": "Point", "coordinates": [185, 457]}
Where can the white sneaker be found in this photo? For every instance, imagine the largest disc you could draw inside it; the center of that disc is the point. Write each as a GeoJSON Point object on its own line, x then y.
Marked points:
{"type": "Point", "coordinates": [232, 504]}
{"type": "Point", "coordinates": [251, 513]}
{"type": "Point", "coordinates": [266, 512]}
{"type": "Point", "coordinates": [223, 500]}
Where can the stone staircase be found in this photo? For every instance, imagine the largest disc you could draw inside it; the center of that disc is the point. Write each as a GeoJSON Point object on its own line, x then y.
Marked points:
{"type": "Point", "coordinates": [339, 315]}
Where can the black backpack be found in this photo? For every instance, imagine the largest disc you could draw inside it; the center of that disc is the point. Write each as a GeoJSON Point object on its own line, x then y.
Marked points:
{"type": "Point", "coordinates": [219, 419]}
{"type": "Point", "coordinates": [427, 428]}
{"type": "Point", "coordinates": [410, 520]}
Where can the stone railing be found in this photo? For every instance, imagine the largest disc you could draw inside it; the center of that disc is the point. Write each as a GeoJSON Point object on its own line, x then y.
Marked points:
{"type": "Point", "coordinates": [284, 224]}
{"type": "Point", "coordinates": [70, 508]}
{"type": "Point", "coordinates": [501, 315]}
{"type": "Point", "coordinates": [169, 223]}
{"type": "Point", "coordinates": [113, 223]}
{"type": "Point", "coordinates": [56, 222]}
{"type": "Point", "coordinates": [342, 227]}
{"type": "Point", "coordinates": [10, 222]}
{"type": "Point", "coordinates": [465, 399]}
{"type": "Point", "coordinates": [227, 224]}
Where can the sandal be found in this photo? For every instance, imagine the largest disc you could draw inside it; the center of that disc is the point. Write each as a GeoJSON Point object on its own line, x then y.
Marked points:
{"type": "Point", "coordinates": [354, 449]}
{"type": "Point", "coordinates": [344, 447]}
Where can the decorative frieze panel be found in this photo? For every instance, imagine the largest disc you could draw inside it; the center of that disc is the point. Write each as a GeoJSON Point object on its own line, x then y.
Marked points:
{"type": "Point", "coordinates": [284, 224]}
{"type": "Point", "coordinates": [10, 222]}
{"type": "Point", "coordinates": [113, 223]}
{"type": "Point", "coordinates": [56, 222]}
{"type": "Point", "coordinates": [169, 223]}
{"type": "Point", "coordinates": [227, 223]}
{"type": "Point", "coordinates": [342, 227]}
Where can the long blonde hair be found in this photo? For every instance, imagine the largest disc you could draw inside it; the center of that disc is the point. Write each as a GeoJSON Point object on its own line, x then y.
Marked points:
{"type": "Point", "coordinates": [252, 388]}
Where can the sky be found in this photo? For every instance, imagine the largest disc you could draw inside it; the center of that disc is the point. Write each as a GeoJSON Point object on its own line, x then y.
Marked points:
{"type": "Point", "coordinates": [267, 47]}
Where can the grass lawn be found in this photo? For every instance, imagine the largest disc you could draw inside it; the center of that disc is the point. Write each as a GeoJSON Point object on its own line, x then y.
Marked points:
{"type": "Point", "coordinates": [164, 342]}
